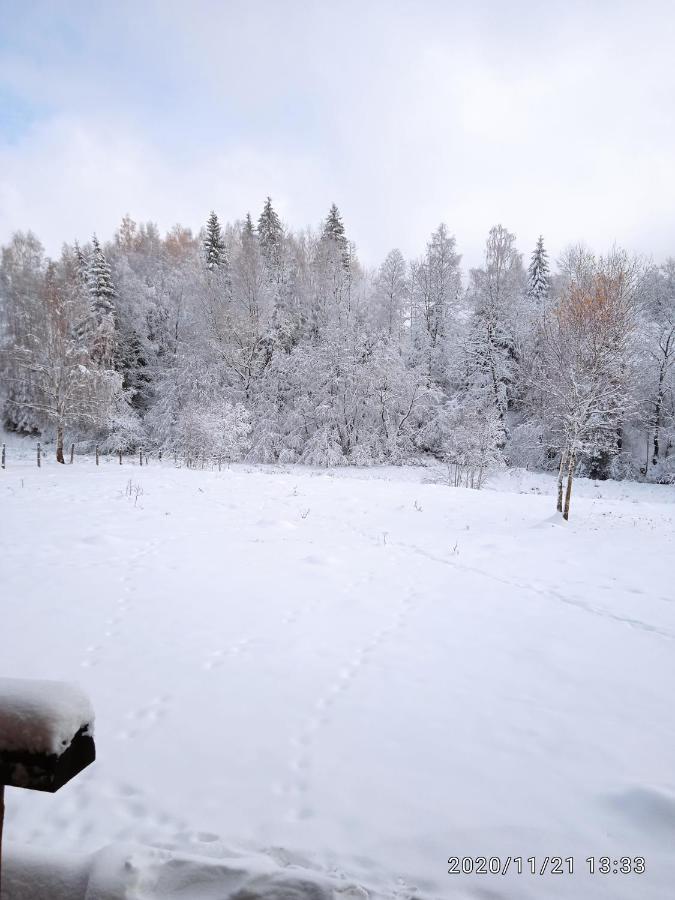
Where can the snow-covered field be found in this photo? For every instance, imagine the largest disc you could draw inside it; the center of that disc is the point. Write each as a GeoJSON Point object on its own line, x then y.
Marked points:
{"type": "Point", "coordinates": [360, 669]}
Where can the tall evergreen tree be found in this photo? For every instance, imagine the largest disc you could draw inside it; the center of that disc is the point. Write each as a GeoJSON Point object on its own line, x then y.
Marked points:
{"type": "Point", "coordinates": [99, 280]}
{"type": "Point", "coordinates": [99, 332]}
{"type": "Point", "coordinates": [248, 229]}
{"type": "Point", "coordinates": [214, 245]}
{"type": "Point", "coordinates": [81, 262]}
{"type": "Point", "coordinates": [270, 234]}
{"type": "Point", "coordinates": [334, 233]}
{"type": "Point", "coordinates": [538, 274]}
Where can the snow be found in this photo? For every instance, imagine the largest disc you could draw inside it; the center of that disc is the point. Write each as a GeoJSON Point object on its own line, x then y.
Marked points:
{"type": "Point", "coordinates": [353, 671]}
{"type": "Point", "coordinates": [38, 716]}
{"type": "Point", "coordinates": [143, 873]}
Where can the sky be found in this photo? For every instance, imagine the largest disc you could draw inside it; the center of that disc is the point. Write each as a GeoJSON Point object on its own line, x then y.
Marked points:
{"type": "Point", "coordinates": [550, 118]}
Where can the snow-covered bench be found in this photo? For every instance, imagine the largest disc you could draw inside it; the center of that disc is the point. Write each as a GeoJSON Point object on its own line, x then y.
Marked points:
{"type": "Point", "coordinates": [46, 736]}
{"type": "Point", "coordinates": [46, 733]}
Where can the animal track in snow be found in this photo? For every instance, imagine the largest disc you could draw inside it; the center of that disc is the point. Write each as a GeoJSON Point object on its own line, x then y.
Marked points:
{"type": "Point", "coordinates": [543, 592]}
{"type": "Point", "coordinates": [300, 763]}
{"type": "Point", "coordinates": [143, 719]}
{"type": "Point", "coordinates": [218, 657]}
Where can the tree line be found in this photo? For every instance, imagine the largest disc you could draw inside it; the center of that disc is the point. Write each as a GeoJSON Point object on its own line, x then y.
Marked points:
{"type": "Point", "coordinates": [252, 341]}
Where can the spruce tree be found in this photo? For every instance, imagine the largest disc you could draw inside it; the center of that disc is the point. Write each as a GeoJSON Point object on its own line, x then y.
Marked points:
{"type": "Point", "coordinates": [334, 233]}
{"type": "Point", "coordinates": [99, 331]}
{"type": "Point", "coordinates": [270, 234]}
{"type": "Point", "coordinates": [214, 246]}
{"type": "Point", "coordinates": [99, 281]}
{"type": "Point", "coordinates": [538, 278]}
{"type": "Point", "coordinates": [248, 229]}
{"type": "Point", "coordinates": [80, 262]}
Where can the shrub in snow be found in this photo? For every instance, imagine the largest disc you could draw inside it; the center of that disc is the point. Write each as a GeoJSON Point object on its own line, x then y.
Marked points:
{"type": "Point", "coordinates": [219, 429]}
{"type": "Point", "coordinates": [472, 443]}
{"type": "Point", "coordinates": [323, 449]}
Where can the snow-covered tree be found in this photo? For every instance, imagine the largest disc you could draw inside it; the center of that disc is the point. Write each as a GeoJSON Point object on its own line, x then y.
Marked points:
{"type": "Point", "coordinates": [68, 386]}
{"type": "Point", "coordinates": [492, 344]}
{"type": "Point", "coordinates": [22, 271]}
{"type": "Point", "coordinates": [391, 295]}
{"type": "Point", "coordinates": [214, 245]}
{"type": "Point", "coordinates": [538, 275]}
{"type": "Point", "coordinates": [270, 234]}
{"type": "Point", "coordinates": [100, 327]}
{"type": "Point", "coordinates": [99, 280]}
{"type": "Point", "coordinates": [584, 366]}
{"type": "Point", "coordinates": [334, 233]}
{"type": "Point", "coordinates": [437, 284]}
{"type": "Point", "coordinates": [658, 368]}
{"type": "Point", "coordinates": [330, 362]}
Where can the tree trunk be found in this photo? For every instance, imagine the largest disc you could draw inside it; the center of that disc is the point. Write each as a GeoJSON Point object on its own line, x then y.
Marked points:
{"type": "Point", "coordinates": [59, 444]}
{"type": "Point", "coordinates": [568, 492]}
{"type": "Point", "coordinates": [561, 473]}
{"type": "Point", "coordinates": [657, 416]}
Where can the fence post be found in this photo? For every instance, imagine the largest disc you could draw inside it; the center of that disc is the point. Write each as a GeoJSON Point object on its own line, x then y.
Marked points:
{"type": "Point", "coordinates": [120, 455]}
{"type": "Point", "coordinates": [3, 456]}
{"type": "Point", "coordinates": [97, 454]}
{"type": "Point", "coordinates": [72, 453]}
{"type": "Point", "coordinates": [160, 455]}
{"type": "Point", "coordinates": [2, 787]}
{"type": "Point", "coordinates": [38, 455]}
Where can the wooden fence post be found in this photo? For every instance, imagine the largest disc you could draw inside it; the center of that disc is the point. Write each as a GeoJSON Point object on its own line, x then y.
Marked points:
{"type": "Point", "coordinates": [120, 455]}
{"type": "Point", "coordinates": [97, 454]}
{"type": "Point", "coordinates": [38, 455]}
{"type": "Point", "coordinates": [72, 453]}
{"type": "Point", "coordinates": [140, 456]}
{"type": "Point", "coordinates": [2, 798]}
{"type": "Point", "coordinates": [3, 456]}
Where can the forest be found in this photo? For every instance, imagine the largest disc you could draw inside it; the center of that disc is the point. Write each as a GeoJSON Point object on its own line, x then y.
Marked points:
{"type": "Point", "coordinates": [251, 341]}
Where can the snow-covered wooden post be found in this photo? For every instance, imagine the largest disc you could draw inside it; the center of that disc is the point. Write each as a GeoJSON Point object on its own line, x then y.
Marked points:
{"type": "Point", "coordinates": [38, 454]}
{"type": "Point", "coordinates": [3, 456]}
{"type": "Point", "coordinates": [97, 454]}
{"type": "Point", "coordinates": [140, 456]}
{"type": "Point", "coordinates": [46, 736]}
{"type": "Point", "coordinates": [72, 453]}
{"type": "Point", "coordinates": [120, 455]}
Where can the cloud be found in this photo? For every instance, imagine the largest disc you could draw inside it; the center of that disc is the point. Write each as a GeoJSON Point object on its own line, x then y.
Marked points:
{"type": "Point", "coordinates": [553, 120]}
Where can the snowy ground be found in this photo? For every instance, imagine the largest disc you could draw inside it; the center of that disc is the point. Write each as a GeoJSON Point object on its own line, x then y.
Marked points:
{"type": "Point", "coordinates": [366, 669]}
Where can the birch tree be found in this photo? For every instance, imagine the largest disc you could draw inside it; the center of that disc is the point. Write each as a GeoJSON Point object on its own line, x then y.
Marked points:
{"type": "Point", "coordinates": [583, 366]}
{"type": "Point", "coordinates": [67, 387]}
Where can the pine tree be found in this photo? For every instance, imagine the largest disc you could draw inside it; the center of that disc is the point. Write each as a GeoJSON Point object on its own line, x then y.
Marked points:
{"type": "Point", "coordinates": [270, 234]}
{"type": "Point", "coordinates": [334, 233]}
{"type": "Point", "coordinates": [99, 330]}
{"type": "Point", "coordinates": [214, 246]}
{"type": "Point", "coordinates": [248, 229]}
{"type": "Point", "coordinates": [99, 281]}
{"type": "Point", "coordinates": [81, 262]}
{"type": "Point", "coordinates": [538, 278]}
